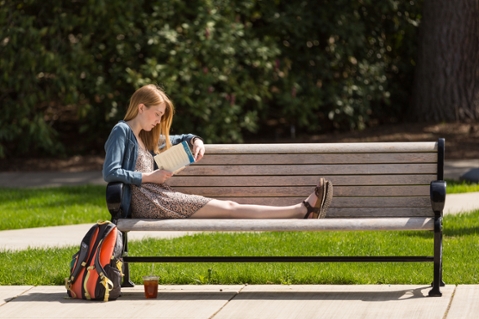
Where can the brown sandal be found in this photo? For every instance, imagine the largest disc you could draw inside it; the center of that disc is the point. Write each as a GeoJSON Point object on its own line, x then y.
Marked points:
{"type": "Point", "coordinates": [324, 192]}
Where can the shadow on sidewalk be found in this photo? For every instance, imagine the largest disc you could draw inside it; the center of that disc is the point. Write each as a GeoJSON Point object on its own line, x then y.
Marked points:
{"type": "Point", "coordinates": [369, 296]}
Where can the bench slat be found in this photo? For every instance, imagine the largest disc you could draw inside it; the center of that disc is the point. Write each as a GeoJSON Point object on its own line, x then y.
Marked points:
{"type": "Point", "coordinates": [357, 202]}
{"type": "Point", "coordinates": [221, 181]}
{"type": "Point", "coordinates": [353, 202]}
{"type": "Point", "coordinates": [276, 224]}
{"type": "Point", "coordinates": [265, 170]}
{"type": "Point", "coordinates": [373, 158]}
{"type": "Point", "coordinates": [306, 190]}
{"type": "Point", "coordinates": [372, 212]}
{"type": "Point", "coordinates": [382, 147]}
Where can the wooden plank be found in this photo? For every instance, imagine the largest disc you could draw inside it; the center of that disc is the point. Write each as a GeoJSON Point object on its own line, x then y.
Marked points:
{"type": "Point", "coordinates": [371, 212]}
{"type": "Point", "coordinates": [349, 202]}
{"type": "Point", "coordinates": [271, 201]}
{"type": "Point", "coordinates": [381, 191]}
{"type": "Point", "coordinates": [352, 180]}
{"type": "Point", "coordinates": [353, 224]}
{"type": "Point", "coordinates": [272, 191]}
{"type": "Point", "coordinates": [231, 192]}
{"type": "Point", "coordinates": [255, 170]}
{"type": "Point", "coordinates": [367, 202]}
{"type": "Point", "coordinates": [296, 159]}
{"type": "Point", "coordinates": [390, 147]}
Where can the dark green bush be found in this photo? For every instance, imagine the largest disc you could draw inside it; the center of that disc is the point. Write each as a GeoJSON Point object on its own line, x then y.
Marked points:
{"type": "Point", "coordinates": [68, 68]}
{"type": "Point", "coordinates": [343, 64]}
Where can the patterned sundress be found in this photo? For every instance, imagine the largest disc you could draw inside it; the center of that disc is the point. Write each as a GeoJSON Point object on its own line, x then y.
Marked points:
{"type": "Point", "coordinates": [159, 201]}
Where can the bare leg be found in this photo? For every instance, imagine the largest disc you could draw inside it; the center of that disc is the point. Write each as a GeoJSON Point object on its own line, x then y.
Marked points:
{"type": "Point", "coordinates": [228, 209]}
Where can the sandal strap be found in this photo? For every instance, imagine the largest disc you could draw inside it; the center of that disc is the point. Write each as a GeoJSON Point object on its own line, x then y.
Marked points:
{"type": "Point", "coordinates": [310, 209]}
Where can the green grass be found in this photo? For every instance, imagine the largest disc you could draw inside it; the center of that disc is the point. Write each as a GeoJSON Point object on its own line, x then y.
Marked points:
{"type": "Point", "coordinates": [457, 187]}
{"type": "Point", "coordinates": [461, 252]}
{"type": "Point", "coordinates": [25, 208]}
{"type": "Point", "coordinates": [40, 207]}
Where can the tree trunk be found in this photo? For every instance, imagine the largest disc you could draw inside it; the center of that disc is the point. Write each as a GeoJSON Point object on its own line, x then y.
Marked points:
{"type": "Point", "coordinates": [446, 85]}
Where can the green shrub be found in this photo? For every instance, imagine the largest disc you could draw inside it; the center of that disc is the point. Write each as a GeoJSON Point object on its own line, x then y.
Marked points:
{"type": "Point", "coordinates": [67, 69]}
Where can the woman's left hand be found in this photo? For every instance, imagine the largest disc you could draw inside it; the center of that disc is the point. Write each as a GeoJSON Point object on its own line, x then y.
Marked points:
{"type": "Point", "coordinates": [198, 149]}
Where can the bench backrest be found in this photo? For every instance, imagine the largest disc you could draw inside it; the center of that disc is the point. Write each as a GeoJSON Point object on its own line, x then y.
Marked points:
{"type": "Point", "coordinates": [370, 179]}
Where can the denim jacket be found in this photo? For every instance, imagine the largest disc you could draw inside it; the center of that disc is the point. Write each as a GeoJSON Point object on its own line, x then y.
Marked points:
{"type": "Point", "coordinates": [121, 154]}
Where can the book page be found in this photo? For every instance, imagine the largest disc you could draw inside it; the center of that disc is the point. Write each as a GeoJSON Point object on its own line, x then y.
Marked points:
{"type": "Point", "coordinates": [175, 158]}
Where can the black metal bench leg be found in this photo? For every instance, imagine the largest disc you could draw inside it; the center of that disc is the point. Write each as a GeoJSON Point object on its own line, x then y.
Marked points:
{"type": "Point", "coordinates": [437, 283]}
{"type": "Point", "coordinates": [126, 267]}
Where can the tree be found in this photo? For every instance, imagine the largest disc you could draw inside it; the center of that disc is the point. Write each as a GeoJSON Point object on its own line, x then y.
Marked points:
{"type": "Point", "coordinates": [446, 84]}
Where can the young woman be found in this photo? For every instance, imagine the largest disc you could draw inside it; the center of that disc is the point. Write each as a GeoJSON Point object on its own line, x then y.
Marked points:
{"type": "Point", "coordinates": [143, 132]}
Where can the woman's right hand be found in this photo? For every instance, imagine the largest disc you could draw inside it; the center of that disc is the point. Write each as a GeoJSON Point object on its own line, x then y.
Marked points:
{"type": "Point", "coordinates": [158, 176]}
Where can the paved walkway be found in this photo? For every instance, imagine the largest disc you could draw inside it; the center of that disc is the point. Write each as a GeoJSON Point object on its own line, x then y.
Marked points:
{"type": "Point", "coordinates": [243, 301]}
{"type": "Point", "coordinates": [230, 301]}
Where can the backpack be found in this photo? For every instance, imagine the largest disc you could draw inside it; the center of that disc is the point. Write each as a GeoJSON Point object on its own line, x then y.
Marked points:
{"type": "Point", "coordinates": [96, 269]}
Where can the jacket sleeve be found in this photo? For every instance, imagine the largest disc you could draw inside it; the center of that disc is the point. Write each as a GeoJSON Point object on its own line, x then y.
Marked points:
{"type": "Point", "coordinates": [120, 153]}
{"type": "Point", "coordinates": [177, 139]}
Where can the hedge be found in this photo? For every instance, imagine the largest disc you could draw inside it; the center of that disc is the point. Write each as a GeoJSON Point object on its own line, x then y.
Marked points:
{"type": "Point", "coordinates": [232, 67]}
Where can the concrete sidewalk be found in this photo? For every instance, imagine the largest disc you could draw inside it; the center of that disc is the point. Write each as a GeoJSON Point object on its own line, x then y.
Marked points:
{"type": "Point", "coordinates": [244, 301]}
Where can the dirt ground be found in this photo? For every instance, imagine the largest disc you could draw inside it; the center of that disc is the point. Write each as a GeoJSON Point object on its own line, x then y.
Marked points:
{"type": "Point", "coordinates": [462, 142]}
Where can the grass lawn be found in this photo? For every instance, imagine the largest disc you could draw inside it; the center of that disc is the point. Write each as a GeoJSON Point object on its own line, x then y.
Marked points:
{"type": "Point", "coordinates": [25, 208]}
{"type": "Point", "coordinates": [41, 207]}
{"type": "Point", "coordinates": [461, 244]}
{"type": "Point", "coordinates": [457, 187]}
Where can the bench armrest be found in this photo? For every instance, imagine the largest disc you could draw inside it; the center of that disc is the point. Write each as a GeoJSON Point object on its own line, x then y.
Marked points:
{"type": "Point", "coordinates": [438, 196]}
{"type": "Point", "coordinates": [114, 194]}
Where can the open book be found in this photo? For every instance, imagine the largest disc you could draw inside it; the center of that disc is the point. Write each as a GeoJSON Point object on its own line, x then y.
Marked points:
{"type": "Point", "coordinates": [175, 158]}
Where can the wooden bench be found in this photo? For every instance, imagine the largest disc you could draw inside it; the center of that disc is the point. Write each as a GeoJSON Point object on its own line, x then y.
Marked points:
{"type": "Point", "coordinates": [377, 187]}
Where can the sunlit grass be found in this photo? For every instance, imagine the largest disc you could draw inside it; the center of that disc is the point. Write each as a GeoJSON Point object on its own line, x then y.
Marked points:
{"type": "Point", "coordinates": [40, 207]}
{"type": "Point", "coordinates": [25, 208]}
{"type": "Point", "coordinates": [461, 245]}
{"type": "Point", "coordinates": [68, 205]}
{"type": "Point", "coordinates": [457, 187]}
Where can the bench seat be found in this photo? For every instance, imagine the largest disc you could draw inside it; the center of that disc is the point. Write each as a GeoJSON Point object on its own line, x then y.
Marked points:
{"type": "Point", "coordinates": [242, 225]}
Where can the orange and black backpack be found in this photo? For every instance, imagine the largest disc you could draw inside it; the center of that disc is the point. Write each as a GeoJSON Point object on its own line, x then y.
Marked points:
{"type": "Point", "coordinates": [96, 269]}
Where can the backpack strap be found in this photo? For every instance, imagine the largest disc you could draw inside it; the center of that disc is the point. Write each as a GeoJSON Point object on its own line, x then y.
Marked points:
{"type": "Point", "coordinates": [105, 281]}
{"type": "Point", "coordinates": [81, 262]}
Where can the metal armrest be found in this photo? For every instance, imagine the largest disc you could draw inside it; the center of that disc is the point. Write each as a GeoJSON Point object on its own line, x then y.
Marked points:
{"type": "Point", "coordinates": [114, 193]}
{"type": "Point", "coordinates": [438, 196]}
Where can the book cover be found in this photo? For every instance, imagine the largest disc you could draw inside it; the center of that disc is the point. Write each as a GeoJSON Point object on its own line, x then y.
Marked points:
{"type": "Point", "coordinates": [175, 158]}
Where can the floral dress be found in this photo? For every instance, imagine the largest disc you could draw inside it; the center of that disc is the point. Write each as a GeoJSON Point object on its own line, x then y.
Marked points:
{"type": "Point", "coordinates": [159, 201]}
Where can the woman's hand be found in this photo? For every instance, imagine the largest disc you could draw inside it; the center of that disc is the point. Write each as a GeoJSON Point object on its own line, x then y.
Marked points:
{"type": "Point", "coordinates": [198, 149]}
{"type": "Point", "coordinates": [159, 176]}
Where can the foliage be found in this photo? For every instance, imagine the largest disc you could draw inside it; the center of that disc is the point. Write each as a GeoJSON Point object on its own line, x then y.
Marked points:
{"type": "Point", "coordinates": [343, 63]}
{"type": "Point", "coordinates": [67, 69]}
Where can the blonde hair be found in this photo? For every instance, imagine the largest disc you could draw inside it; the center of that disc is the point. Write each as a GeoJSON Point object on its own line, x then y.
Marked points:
{"type": "Point", "coordinates": [150, 95]}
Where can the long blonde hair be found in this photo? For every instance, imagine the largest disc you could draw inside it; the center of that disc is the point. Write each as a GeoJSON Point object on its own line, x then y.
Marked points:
{"type": "Point", "coordinates": [150, 95]}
